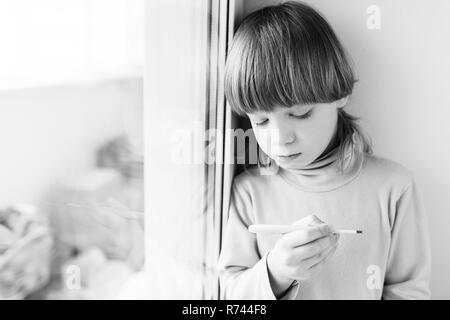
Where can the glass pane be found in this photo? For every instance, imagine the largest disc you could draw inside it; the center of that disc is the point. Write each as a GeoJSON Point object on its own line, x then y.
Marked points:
{"type": "Point", "coordinates": [176, 115]}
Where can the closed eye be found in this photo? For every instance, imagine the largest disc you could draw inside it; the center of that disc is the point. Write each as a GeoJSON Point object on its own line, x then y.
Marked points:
{"type": "Point", "coordinates": [262, 122]}
{"type": "Point", "coordinates": [303, 116]}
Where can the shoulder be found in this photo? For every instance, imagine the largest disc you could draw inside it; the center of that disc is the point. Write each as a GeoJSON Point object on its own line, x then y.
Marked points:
{"type": "Point", "coordinates": [388, 172]}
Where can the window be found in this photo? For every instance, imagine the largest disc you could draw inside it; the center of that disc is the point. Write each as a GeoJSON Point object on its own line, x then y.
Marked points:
{"type": "Point", "coordinates": [87, 127]}
{"type": "Point", "coordinates": [184, 168]}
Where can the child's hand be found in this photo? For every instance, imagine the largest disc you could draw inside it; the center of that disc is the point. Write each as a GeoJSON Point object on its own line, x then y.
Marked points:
{"type": "Point", "coordinates": [300, 254]}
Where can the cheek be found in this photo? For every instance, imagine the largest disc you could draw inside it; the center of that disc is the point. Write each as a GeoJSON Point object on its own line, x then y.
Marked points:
{"type": "Point", "coordinates": [262, 136]}
{"type": "Point", "coordinates": [315, 134]}
{"type": "Point", "coordinates": [322, 130]}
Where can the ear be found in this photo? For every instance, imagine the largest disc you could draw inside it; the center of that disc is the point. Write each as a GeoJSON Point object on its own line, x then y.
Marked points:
{"type": "Point", "coordinates": [341, 102]}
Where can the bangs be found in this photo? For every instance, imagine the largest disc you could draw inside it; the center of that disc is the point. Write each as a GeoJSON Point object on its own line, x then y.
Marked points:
{"type": "Point", "coordinates": [283, 56]}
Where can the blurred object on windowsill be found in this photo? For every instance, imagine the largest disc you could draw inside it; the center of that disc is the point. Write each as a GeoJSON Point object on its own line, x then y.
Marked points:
{"type": "Point", "coordinates": [101, 209]}
{"type": "Point", "coordinates": [89, 212]}
{"type": "Point", "coordinates": [120, 154]}
{"type": "Point", "coordinates": [25, 251]}
{"type": "Point", "coordinates": [90, 275]}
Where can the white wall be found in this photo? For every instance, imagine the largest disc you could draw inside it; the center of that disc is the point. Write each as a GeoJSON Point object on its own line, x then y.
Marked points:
{"type": "Point", "coordinates": [51, 134]}
{"type": "Point", "coordinates": [403, 97]}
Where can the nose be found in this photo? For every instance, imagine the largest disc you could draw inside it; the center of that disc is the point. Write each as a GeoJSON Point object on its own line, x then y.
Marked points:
{"type": "Point", "coordinates": [284, 136]}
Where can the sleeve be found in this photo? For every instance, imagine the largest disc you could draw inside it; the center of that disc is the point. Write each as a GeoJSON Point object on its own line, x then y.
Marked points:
{"type": "Point", "coordinates": [409, 261]}
{"type": "Point", "coordinates": [243, 272]}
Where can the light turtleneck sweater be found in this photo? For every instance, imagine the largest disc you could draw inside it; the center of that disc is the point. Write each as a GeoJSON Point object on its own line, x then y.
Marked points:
{"type": "Point", "coordinates": [390, 260]}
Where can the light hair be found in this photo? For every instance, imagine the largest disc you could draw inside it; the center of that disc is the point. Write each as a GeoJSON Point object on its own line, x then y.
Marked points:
{"type": "Point", "coordinates": [286, 55]}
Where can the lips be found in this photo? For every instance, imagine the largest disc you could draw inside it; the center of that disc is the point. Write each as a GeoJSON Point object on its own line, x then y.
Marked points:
{"type": "Point", "coordinates": [290, 156]}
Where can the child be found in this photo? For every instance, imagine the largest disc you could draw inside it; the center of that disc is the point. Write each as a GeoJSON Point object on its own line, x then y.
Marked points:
{"type": "Point", "coordinates": [288, 73]}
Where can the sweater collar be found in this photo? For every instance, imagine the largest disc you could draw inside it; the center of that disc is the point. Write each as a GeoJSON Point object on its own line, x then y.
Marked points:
{"type": "Point", "coordinates": [323, 174]}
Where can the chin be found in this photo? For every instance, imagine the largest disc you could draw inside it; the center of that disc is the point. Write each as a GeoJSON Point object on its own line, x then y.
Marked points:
{"type": "Point", "coordinates": [291, 164]}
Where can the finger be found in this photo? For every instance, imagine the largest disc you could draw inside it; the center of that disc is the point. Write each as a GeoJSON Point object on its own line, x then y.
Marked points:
{"type": "Point", "coordinates": [322, 262]}
{"type": "Point", "coordinates": [315, 247]}
{"type": "Point", "coordinates": [301, 237]}
{"type": "Point", "coordinates": [314, 269]}
{"type": "Point", "coordinates": [310, 220]}
{"type": "Point", "coordinates": [310, 262]}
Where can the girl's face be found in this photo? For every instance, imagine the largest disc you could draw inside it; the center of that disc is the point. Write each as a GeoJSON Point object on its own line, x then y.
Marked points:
{"type": "Point", "coordinates": [294, 137]}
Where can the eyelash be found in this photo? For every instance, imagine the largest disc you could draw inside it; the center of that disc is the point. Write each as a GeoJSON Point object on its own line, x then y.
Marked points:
{"type": "Point", "coordinates": [303, 116]}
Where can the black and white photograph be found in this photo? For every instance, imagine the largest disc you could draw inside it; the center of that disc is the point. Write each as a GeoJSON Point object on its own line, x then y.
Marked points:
{"type": "Point", "coordinates": [236, 150]}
